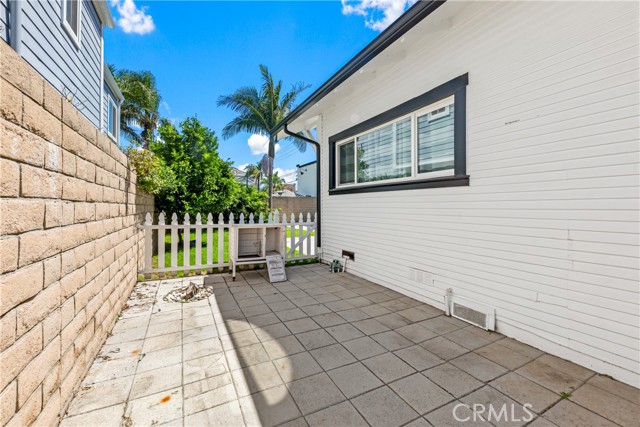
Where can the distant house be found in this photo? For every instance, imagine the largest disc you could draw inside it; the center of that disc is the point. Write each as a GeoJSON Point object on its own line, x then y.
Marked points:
{"type": "Point", "coordinates": [307, 179]}
{"type": "Point", "coordinates": [64, 42]}
{"type": "Point", "coordinates": [483, 157]}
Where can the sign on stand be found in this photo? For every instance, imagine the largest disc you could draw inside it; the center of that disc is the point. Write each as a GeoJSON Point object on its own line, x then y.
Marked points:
{"type": "Point", "coordinates": [275, 266]}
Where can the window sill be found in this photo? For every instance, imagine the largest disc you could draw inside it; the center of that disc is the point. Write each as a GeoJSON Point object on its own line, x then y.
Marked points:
{"type": "Point", "coordinates": [444, 181]}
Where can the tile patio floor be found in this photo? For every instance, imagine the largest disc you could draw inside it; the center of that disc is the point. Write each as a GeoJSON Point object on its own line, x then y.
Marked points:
{"type": "Point", "coordinates": [324, 349]}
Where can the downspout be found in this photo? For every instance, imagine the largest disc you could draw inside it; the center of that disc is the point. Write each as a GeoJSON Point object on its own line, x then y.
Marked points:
{"type": "Point", "coordinates": [272, 153]}
{"type": "Point", "coordinates": [15, 34]}
{"type": "Point", "coordinates": [318, 205]}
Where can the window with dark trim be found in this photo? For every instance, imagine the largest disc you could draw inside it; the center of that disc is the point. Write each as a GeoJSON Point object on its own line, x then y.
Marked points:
{"type": "Point", "coordinates": [418, 144]}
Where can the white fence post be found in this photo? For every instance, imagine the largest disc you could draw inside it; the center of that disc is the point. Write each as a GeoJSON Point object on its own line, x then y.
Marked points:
{"type": "Point", "coordinates": [301, 243]}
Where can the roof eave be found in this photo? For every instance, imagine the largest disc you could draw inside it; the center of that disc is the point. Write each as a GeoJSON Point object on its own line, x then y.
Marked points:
{"type": "Point", "coordinates": [104, 13]}
{"type": "Point", "coordinates": [111, 82]}
{"type": "Point", "coordinates": [397, 29]}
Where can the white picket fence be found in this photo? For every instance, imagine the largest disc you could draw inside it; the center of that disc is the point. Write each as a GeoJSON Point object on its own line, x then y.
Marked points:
{"type": "Point", "coordinates": [207, 257]}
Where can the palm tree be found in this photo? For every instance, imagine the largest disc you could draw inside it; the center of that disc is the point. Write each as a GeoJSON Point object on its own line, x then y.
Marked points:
{"type": "Point", "coordinates": [140, 107]}
{"type": "Point", "coordinates": [277, 182]}
{"type": "Point", "coordinates": [261, 109]}
{"type": "Point", "coordinates": [253, 173]}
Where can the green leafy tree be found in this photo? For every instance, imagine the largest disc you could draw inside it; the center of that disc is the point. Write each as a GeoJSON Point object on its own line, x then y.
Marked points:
{"type": "Point", "coordinates": [253, 173]}
{"type": "Point", "coordinates": [204, 183]}
{"type": "Point", "coordinates": [154, 176]}
{"type": "Point", "coordinates": [139, 115]}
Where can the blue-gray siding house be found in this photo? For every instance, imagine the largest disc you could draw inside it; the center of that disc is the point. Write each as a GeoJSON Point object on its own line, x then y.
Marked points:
{"type": "Point", "coordinates": [63, 41]}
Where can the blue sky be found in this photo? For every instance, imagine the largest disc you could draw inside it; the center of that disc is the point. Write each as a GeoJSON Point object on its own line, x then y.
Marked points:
{"type": "Point", "coordinates": [199, 50]}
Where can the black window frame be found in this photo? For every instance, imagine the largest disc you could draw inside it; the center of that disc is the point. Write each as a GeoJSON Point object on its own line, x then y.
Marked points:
{"type": "Point", "coordinates": [457, 88]}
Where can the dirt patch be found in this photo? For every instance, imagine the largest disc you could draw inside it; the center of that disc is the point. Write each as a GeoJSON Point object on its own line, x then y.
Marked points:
{"type": "Point", "coordinates": [190, 293]}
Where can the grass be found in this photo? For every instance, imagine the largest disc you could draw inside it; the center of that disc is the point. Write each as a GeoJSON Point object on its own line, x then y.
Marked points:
{"type": "Point", "coordinates": [192, 249]}
{"type": "Point", "coordinates": [296, 232]}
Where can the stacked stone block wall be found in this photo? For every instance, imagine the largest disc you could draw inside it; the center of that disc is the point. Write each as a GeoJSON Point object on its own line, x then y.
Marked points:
{"type": "Point", "coordinates": [70, 248]}
{"type": "Point", "coordinates": [295, 205]}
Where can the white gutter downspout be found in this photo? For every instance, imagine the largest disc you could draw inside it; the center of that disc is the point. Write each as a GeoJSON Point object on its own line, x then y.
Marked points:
{"type": "Point", "coordinates": [15, 35]}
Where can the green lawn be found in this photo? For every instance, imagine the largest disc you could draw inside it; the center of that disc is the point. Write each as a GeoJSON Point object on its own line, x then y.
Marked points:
{"type": "Point", "coordinates": [297, 232]}
{"type": "Point", "coordinates": [192, 249]}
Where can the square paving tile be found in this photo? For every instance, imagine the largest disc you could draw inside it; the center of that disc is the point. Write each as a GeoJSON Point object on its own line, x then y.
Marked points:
{"type": "Point", "coordinates": [315, 393]}
{"type": "Point", "coordinates": [263, 320]}
{"type": "Point", "coordinates": [416, 333]}
{"type": "Point", "coordinates": [418, 357]}
{"type": "Point", "coordinates": [205, 385]}
{"type": "Point", "coordinates": [456, 414]}
{"type": "Point", "coordinates": [209, 399]}
{"type": "Point", "coordinates": [525, 391]}
{"type": "Point", "coordinates": [301, 325]}
{"type": "Point", "coordinates": [370, 326]}
{"type": "Point", "coordinates": [155, 409]}
{"type": "Point", "coordinates": [106, 417]}
{"type": "Point", "coordinates": [609, 406]}
{"type": "Point", "coordinates": [383, 408]}
{"type": "Point", "coordinates": [284, 346]}
{"type": "Point", "coordinates": [162, 342]}
{"type": "Point", "coordinates": [388, 367]}
{"type": "Point", "coordinates": [515, 415]}
{"type": "Point", "coordinates": [467, 339]}
{"type": "Point", "coordinates": [567, 413]}
{"type": "Point", "coordinates": [353, 314]}
{"type": "Point", "coordinates": [363, 348]}
{"type": "Point", "coordinates": [225, 415]}
{"type": "Point", "coordinates": [256, 378]}
{"type": "Point", "coordinates": [344, 332]}
{"type": "Point", "coordinates": [194, 350]}
{"type": "Point", "coordinates": [476, 365]}
{"type": "Point", "coordinates": [101, 395]}
{"type": "Point", "coordinates": [354, 379]}
{"type": "Point", "coordinates": [392, 340]}
{"type": "Point", "coordinates": [315, 310]}
{"type": "Point", "coordinates": [269, 407]}
{"type": "Point", "coordinates": [204, 367]}
{"type": "Point", "coordinates": [329, 319]}
{"type": "Point", "coordinates": [291, 314]}
{"type": "Point", "coordinates": [455, 381]}
{"type": "Point", "coordinates": [271, 332]}
{"type": "Point", "coordinates": [444, 348]}
{"type": "Point", "coordinates": [439, 325]}
{"type": "Point", "coordinates": [332, 356]}
{"type": "Point", "coordinates": [156, 381]}
{"type": "Point", "coordinates": [617, 388]}
{"type": "Point", "coordinates": [504, 356]}
{"type": "Point", "coordinates": [315, 339]}
{"type": "Point", "coordinates": [247, 356]}
{"type": "Point", "coordinates": [567, 367]}
{"type": "Point", "coordinates": [548, 377]}
{"type": "Point", "coordinates": [297, 366]}
{"type": "Point", "coordinates": [421, 393]}
{"type": "Point", "coordinates": [342, 414]}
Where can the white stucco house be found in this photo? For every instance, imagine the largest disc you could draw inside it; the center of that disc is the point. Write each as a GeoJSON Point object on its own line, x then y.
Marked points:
{"type": "Point", "coordinates": [490, 150]}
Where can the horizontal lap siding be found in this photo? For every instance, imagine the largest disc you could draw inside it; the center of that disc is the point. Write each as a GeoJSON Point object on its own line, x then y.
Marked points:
{"type": "Point", "coordinates": [49, 49]}
{"type": "Point", "coordinates": [547, 232]}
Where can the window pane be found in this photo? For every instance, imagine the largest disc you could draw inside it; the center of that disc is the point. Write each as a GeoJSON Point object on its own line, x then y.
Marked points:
{"type": "Point", "coordinates": [72, 14]}
{"type": "Point", "coordinates": [111, 118]}
{"type": "Point", "coordinates": [346, 161]}
{"type": "Point", "coordinates": [385, 153]}
{"type": "Point", "coordinates": [435, 140]}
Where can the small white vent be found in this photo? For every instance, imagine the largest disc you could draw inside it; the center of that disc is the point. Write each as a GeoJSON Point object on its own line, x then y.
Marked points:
{"type": "Point", "coordinates": [421, 276]}
{"type": "Point", "coordinates": [472, 312]}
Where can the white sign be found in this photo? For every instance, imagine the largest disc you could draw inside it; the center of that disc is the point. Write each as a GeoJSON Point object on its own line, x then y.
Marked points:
{"type": "Point", "coordinates": [275, 266]}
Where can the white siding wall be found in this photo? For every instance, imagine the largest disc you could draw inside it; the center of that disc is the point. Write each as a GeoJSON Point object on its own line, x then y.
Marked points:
{"type": "Point", "coordinates": [307, 180]}
{"type": "Point", "coordinates": [547, 232]}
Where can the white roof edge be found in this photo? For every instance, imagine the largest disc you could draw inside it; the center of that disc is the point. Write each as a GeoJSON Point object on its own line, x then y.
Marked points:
{"type": "Point", "coordinates": [104, 13]}
{"type": "Point", "coordinates": [111, 82]}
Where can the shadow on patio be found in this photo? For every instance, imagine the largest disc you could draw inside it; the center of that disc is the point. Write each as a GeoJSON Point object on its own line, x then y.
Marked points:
{"type": "Point", "coordinates": [326, 349]}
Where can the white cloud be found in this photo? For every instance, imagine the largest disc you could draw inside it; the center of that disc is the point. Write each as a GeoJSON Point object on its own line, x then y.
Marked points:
{"type": "Point", "coordinates": [378, 14]}
{"type": "Point", "coordinates": [243, 167]}
{"type": "Point", "coordinates": [289, 175]}
{"type": "Point", "coordinates": [259, 144]}
{"type": "Point", "coordinates": [133, 19]}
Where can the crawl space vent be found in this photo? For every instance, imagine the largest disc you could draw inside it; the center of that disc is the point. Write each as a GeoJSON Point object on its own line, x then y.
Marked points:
{"type": "Point", "coordinates": [474, 313]}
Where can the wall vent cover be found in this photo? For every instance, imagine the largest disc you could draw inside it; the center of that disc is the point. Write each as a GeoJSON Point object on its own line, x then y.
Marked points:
{"type": "Point", "coordinates": [473, 312]}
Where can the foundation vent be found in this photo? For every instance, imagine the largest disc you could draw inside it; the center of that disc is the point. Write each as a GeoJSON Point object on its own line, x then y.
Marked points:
{"type": "Point", "coordinates": [473, 312]}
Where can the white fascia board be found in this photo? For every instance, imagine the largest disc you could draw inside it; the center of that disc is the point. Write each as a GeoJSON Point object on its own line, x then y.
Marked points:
{"type": "Point", "coordinates": [104, 13]}
{"type": "Point", "coordinates": [111, 82]}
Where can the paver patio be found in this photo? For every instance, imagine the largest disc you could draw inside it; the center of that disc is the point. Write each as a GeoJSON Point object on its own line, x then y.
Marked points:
{"type": "Point", "coordinates": [325, 349]}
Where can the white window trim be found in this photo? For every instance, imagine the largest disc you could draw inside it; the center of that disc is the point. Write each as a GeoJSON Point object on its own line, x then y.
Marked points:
{"type": "Point", "coordinates": [355, 163]}
{"type": "Point", "coordinates": [116, 119]}
{"type": "Point", "coordinates": [75, 38]}
{"type": "Point", "coordinates": [415, 176]}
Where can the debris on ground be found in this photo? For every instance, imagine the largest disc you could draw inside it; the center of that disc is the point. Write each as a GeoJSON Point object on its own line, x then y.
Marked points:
{"type": "Point", "coordinates": [190, 293]}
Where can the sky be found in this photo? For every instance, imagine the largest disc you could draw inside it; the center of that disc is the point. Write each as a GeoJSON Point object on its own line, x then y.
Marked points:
{"type": "Point", "coordinates": [199, 50]}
